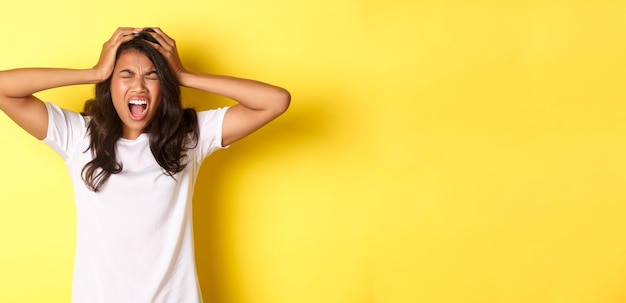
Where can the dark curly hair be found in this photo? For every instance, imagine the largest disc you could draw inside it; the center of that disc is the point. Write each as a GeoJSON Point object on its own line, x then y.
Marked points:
{"type": "Point", "coordinates": [173, 130]}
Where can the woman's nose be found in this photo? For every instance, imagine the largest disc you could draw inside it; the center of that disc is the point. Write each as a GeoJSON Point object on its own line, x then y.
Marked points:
{"type": "Point", "coordinates": [138, 84]}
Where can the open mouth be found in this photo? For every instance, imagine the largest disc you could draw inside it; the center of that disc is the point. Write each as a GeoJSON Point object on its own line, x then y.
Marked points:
{"type": "Point", "coordinates": [137, 108]}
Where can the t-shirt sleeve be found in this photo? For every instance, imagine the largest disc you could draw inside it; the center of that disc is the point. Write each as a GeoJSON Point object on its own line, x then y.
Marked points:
{"type": "Point", "coordinates": [210, 138]}
{"type": "Point", "coordinates": [65, 128]}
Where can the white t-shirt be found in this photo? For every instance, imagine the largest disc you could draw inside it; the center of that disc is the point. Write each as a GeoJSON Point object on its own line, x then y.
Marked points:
{"type": "Point", "coordinates": [134, 238]}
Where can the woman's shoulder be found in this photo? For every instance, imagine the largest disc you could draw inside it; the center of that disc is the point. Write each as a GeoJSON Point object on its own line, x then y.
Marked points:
{"type": "Point", "coordinates": [66, 121]}
{"type": "Point", "coordinates": [206, 116]}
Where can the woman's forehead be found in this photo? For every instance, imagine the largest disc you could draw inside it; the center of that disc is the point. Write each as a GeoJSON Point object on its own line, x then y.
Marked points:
{"type": "Point", "coordinates": [133, 59]}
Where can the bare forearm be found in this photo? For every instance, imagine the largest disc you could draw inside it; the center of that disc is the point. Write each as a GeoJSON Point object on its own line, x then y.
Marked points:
{"type": "Point", "coordinates": [249, 93]}
{"type": "Point", "coordinates": [20, 83]}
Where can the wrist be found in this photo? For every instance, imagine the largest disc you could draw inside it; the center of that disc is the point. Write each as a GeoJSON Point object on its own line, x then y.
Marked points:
{"type": "Point", "coordinates": [94, 75]}
{"type": "Point", "coordinates": [185, 78]}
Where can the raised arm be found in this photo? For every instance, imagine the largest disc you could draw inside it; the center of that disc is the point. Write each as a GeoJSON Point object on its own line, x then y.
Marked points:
{"type": "Point", "coordinates": [258, 103]}
{"type": "Point", "coordinates": [18, 86]}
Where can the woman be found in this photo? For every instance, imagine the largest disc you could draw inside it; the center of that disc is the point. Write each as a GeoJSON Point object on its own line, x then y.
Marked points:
{"type": "Point", "coordinates": [133, 157]}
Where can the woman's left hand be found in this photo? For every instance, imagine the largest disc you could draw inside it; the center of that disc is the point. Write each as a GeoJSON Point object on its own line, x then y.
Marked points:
{"type": "Point", "coordinates": [168, 50]}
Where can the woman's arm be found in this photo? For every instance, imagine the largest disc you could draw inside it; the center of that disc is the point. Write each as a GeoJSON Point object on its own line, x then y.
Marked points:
{"type": "Point", "coordinates": [18, 86]}
{"type": "Point", "coordinates": [258, 103]}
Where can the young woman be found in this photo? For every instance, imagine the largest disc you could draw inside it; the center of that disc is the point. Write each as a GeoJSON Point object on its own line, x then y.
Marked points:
{"type": "Point", "coordinates": [133, 157]}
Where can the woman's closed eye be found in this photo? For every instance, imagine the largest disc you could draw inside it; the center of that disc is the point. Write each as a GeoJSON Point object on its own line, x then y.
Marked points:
{"type": "Point", "coordinates": [152, 75]}
{"type": "Point", "coordinates": [126, 74]}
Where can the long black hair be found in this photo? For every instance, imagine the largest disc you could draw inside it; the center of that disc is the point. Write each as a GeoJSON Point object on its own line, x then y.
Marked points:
{"type": "Point", "coordinates": [172, 131]}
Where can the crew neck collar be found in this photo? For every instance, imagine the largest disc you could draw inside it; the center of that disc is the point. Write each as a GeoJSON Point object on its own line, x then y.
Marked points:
{"type": "Point", "coordinates": [142, 137]}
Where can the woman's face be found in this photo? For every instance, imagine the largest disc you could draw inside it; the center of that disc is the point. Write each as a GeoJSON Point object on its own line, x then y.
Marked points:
{"type": "Point", "coordinates": [136, 92]}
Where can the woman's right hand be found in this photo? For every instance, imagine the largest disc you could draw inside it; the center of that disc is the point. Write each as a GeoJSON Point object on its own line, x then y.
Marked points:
{"type": "Point", "coordinates": [106, 63]}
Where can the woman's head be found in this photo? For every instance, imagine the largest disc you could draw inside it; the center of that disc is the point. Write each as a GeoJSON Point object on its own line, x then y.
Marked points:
{"type": "Point", "coordinates": [142, 88]}
{"type": "Point", "coordinates": [142, 95]}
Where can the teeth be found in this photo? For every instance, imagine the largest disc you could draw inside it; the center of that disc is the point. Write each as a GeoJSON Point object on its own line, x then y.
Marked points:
{"type": "Point", "coordinates": [138, 102]}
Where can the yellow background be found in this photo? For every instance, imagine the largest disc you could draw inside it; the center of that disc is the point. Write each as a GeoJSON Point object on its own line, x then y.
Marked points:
{"type": "Point", "coordinates": [435, 151]}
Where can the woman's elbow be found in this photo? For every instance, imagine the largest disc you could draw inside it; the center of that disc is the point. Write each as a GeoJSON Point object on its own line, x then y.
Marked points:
{"type": "Point", "coordinates": [282, 101]}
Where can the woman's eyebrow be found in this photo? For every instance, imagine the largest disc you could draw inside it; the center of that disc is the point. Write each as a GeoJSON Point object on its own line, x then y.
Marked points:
{"type": "Point", "coordinates": [148, 73]}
